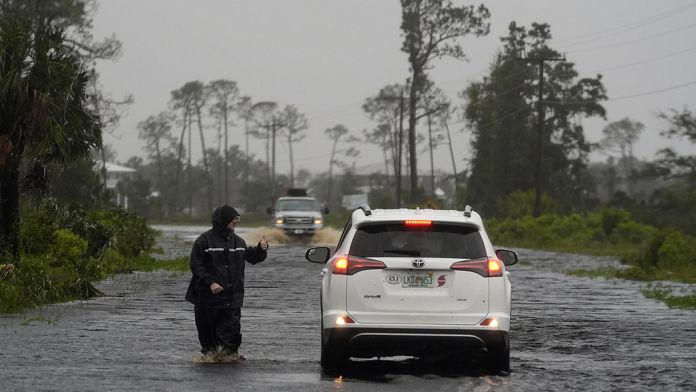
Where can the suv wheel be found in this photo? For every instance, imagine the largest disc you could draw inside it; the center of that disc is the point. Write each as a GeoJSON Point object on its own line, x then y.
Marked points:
{"type": "Point", "coordinates": [333, 357]}
{"type": "Point", "coordinates": [499, 358]}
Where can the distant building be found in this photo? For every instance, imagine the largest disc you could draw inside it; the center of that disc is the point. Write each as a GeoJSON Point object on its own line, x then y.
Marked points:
{"type": "Point", "coordinates": [369, 177]}
{"type": "Point", "coordinates": [115, 174]}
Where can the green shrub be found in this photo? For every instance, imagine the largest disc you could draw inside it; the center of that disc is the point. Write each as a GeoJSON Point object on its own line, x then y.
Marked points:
{"type": "Point", "coordinates": [40, 223]}
{"type": "Point", "coordinates": [608, 219]}
{"type": "Point", "coordinates": [74, 265]}
{"type": "Point", "coordinates": [676, 251]}
{"type": "Point", "coordinates": [632, 232]}
{"type": "Point", "coordinates": [130, 234]}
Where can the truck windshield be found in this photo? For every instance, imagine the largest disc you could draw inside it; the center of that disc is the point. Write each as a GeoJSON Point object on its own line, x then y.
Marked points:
{"type": "Point", "coordinates": [297, 205]}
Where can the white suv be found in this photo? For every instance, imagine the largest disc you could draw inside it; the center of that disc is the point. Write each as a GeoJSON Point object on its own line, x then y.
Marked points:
{"type": "Point", "coordinates": [423, 283]}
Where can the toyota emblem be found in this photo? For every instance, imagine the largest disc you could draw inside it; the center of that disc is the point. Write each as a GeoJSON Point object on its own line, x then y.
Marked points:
{"type": "Point", "coordinates": [418, 263]}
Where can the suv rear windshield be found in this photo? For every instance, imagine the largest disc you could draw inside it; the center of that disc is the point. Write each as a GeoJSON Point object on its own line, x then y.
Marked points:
{"type": "Point", "coordinates": [438, 240]}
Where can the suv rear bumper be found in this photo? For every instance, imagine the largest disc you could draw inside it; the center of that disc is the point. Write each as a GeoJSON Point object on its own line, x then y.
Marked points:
{"type": "Point", "coordinates": [369, 342]}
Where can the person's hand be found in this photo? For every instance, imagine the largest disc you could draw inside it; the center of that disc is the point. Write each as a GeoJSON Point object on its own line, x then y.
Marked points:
{"type": "Point", "coordinates": [263, 244]}
{"type": "Point", "coordinates": [215, 288]}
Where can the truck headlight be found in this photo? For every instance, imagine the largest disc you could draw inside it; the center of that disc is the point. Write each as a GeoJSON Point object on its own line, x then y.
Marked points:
{"type": "Point", "coordinates": [279, 221]}
{"type": "Point", "coordinates": [317, 221]}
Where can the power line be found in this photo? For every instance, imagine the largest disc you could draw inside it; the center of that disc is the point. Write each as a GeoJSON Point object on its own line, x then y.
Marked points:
{"type": "Point", "coordinates": [651, 92]}
{"type": "Point", "coordinates": [654, 91]}
{"type": "Point", "coordinates": [634, 40]}
{"type": "Point", "coordinates": [646, 61]}
{"type": "Point", "coordinates": [626, 27]}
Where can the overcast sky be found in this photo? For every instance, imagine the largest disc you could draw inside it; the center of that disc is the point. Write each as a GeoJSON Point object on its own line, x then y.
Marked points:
{"type": "Point", "coordinates": [327, 56]}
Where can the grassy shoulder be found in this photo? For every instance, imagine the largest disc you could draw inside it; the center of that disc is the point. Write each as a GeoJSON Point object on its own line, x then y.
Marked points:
{"type": "Point", "coordinates": [663, 294]}
{"type": "Point", "coordinates": [651, 254]}
{"type": "Point", "coordinates": [40, 280]}
{"type": "Point", "coordinates": [66, 249]}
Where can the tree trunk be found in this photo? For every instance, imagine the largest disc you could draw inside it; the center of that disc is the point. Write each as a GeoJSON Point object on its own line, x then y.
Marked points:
{"type": "Point", "coordinates": [190, 173]}
{"type": "Point", "coordinates": [218, 164]}
{"type": "Point", "coordinates": [227, 160]}
{"type": "Point", "coordinates": [413, 98]}
{"type": "Point", "coordinates": [246, 160]}
{"type": "Point", "coordinates": [432, 164]}
{"type": "Point", "coordinates": [273, 161]}
{"type": "Point", "coordinates": [9, 205]}
{"type": "Point", "coordinates": [454, 166]}
{"type": "Point", "coordinates": [268, 155]}
{"type": "Point", "coordinates": [292, 164]}
{"type": "Point", "coordinates": [328, 193]}
{"type": "Point", "coordinates": [205, 160]}
{"type": "Point", "coordinates": [174, 208]}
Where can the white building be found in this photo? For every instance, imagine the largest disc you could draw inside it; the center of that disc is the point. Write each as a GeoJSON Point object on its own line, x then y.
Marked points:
{"type": "Point", "coordinates": [114, 174]}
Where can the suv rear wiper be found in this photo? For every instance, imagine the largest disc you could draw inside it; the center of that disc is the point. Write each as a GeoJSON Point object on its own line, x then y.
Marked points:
{"type": "Point", "coordinates": [403, 252]}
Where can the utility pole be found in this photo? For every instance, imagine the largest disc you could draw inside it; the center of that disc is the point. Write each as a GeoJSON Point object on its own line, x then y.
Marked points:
{"type": "Point", "coordinates": [273, 127]}
{"type": "Point", "coordinates": [540, 129]}
{"type": "Point", "coordinates": [273, 156]}
{"type": "Point", "coordinates": [432, 163]}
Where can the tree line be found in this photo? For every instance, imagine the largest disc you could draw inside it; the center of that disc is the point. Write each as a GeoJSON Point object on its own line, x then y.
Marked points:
{"type": "Point", "coordinates": [529, 151]}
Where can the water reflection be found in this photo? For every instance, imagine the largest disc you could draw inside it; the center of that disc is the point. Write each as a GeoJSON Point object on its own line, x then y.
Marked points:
{"type": "Point", "coordinates": [567, 333]}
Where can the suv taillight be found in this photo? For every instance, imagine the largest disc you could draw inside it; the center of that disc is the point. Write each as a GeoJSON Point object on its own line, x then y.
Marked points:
{"type": "Point", "coordinates": [488, 268]}
{"type": "Point", "coordinates": [349, 265]}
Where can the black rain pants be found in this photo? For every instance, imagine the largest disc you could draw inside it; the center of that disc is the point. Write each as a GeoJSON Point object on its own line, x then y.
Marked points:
{"type": "Point", "coordinates": [218, 328]}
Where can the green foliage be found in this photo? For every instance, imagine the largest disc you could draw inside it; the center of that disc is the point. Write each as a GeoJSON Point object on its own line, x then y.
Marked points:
{"type": "Point", "coordinates": [337, 219]}
{"type": "Point", "coordinates": [668, 250]}
{"type": "Point", "coordinates": [610, 218]}
{"type": "Point", "coordinates": [130, 235]}
{"type": "Point", "coordinates": [65, 249]}
{"type": "Point", "coordinates": [520, 203]}
{"type": "Point", "coordinates": [673, 301]}
{"type": "Point", "coordinates": [72, 267]}
{"type": "Point", "coordinates": [45, 118]}
{"type": "Point", "coordinates": [605, 231]}
{"type": "Point", "coordinates": [36, 232]}
{"type": "Point", "coordinates": [77, 183]}
{"type": "Point", "coordinates": [116, 263]}
{"type": "Point", "coordinates": [65, 272]}
{"type": "Point", "coordinates": [501, 110]}
{"type": "Point", "coordinates": [670, 206]}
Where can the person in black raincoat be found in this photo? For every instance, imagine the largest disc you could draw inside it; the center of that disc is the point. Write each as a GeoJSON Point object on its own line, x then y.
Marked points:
{"type": "Point", "coordinates": [217, 286]}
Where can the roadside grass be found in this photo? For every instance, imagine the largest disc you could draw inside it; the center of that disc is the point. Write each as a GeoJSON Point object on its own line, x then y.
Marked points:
{"type": "Point", "coordinates": [650, 253]}
{"type": "Point", "coordinates": [39, 318]}
{"type": "Point", "coordinates": [37, 282]}
{"type": "Point", "coordinates": [663, 294]}
{"type": "Point", "coordinates": [150, 264]}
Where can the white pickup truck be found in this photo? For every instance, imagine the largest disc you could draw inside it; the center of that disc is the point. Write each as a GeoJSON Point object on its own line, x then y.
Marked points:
{"type": "Point", "coordinates": [298, 215]}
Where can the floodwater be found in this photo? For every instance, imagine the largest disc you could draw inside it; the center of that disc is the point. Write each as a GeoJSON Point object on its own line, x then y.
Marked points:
{"type": "Point", "coordinates": [567, 333]}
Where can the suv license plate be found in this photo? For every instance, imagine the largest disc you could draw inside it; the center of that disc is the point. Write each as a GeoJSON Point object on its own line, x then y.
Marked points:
{"type": "Point", "coordinates": [418, 279]}
{"type": "Point", "coordinates": [298, 231]}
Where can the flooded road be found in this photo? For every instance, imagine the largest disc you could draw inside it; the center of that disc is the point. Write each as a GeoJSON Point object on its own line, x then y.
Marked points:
{"type": "Point", "coordinates": [567, 333]}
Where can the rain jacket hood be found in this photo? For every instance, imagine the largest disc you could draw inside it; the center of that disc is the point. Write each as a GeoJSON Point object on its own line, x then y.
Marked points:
{"type": "Point", "coordinates": [222, 217]}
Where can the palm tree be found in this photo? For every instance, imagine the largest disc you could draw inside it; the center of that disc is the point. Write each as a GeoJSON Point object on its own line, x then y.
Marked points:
{"type": "Point", "coordinates": [44, 110]}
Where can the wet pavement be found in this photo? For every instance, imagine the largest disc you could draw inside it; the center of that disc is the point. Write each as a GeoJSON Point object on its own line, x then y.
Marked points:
{"type": "Point", "coordinates": [567, 333]}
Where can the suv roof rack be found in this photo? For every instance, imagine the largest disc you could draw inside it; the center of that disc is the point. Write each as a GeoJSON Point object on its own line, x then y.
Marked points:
{"type": "Point", "coordinates": [467, 211]}
{"type": "Point", "coordinates": [366, 209]}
